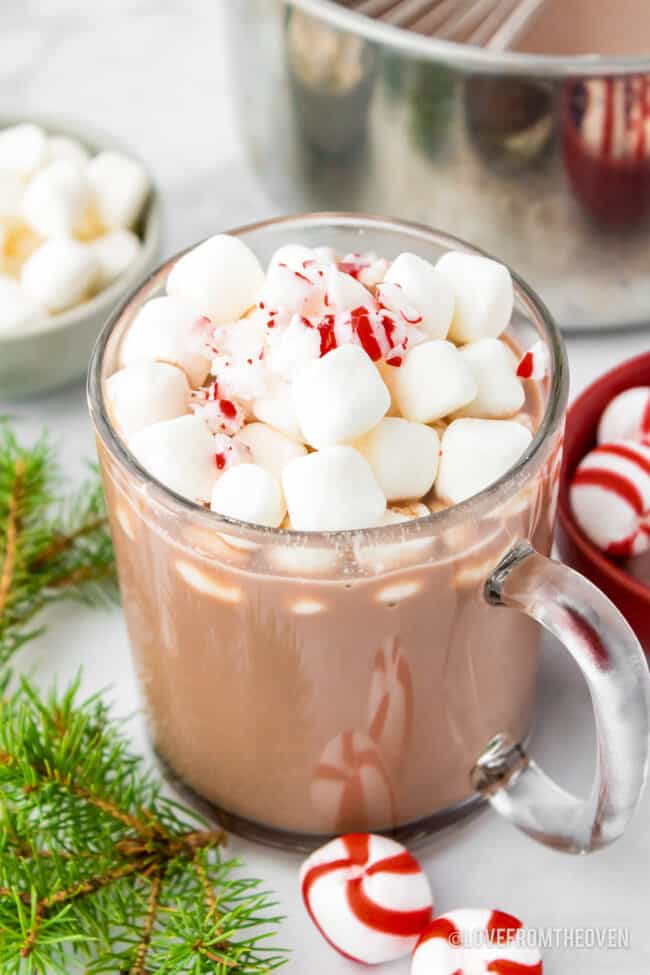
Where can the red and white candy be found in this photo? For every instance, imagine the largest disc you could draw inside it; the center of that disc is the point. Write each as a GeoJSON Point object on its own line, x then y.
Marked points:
{"type": "Point", "coordinates": [220, 414]}
{"type": "Point", "coordinates": [368, 897]}
{"type": "Point", "coordinates": [474, 942]}
{"type": "Point", "coordinates": [627, 416]}
{"type": "Point", "coordinates": [535, 363]}
{"type": "Point", "coordinates": [610, 497]}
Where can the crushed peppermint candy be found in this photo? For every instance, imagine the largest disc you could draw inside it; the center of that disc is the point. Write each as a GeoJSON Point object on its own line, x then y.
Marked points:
{"type": "Point", "coordinates": [222, 415]}
{"type": "Point", "coordinates": [535, 363]}
{"type": "Point", "coordinates": [229, 452]}
{"type": "Point", "coordinates": [293, 362]}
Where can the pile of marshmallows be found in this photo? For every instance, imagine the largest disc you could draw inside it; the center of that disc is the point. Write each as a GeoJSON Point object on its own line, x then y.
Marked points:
{"type": "Point", "coordinates": [321, 390]}
{"type": "Point", "coordinates": [371, 901]}
{"type": "Point", "coordinates": [610, 490]}
{"type": "Point", "coordinates": [65, 223]}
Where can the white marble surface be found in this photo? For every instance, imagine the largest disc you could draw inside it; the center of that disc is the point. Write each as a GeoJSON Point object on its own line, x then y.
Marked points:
{"type": "Point", "coordinates": [155, 73]}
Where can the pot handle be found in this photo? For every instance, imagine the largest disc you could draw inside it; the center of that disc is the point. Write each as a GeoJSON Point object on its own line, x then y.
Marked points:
{"type": "Point", "coordinates": [612, 662]}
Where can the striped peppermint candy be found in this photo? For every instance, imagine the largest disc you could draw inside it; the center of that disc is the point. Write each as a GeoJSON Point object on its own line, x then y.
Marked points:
{"type": "Point", "coordinates": [535, 363]}
{"type": "Point", "coordinates": [626, 417]}
{"type": "Point", "coordinates": [467, 942]}
{"type": "Point", "coordinates": [380, 333]}
{"type": "Point", "coordinates": [368, 897]}
{"type": "Point", "coordinates": [610, 497]}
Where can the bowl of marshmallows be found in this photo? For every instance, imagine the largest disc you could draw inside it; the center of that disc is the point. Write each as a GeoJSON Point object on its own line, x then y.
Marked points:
{"type": "Point", "coordinates": [603, 526]}
{"type": "Point", "coordinates": [79, 226]}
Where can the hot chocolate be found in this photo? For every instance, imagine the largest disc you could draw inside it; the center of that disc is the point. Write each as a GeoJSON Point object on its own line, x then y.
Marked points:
{"type": "Point", "coordinates": [337, 669]}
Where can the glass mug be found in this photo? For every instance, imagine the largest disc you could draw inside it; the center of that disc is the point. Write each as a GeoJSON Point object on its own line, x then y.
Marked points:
{"type": "Point", "coordinates": [307, 684]}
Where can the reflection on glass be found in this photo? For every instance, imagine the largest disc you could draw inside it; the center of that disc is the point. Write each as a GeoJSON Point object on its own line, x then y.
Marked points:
{"type": "Point", "coordinates": [606, 138]}
{"type": "Point", "coordinates": [331, 75]}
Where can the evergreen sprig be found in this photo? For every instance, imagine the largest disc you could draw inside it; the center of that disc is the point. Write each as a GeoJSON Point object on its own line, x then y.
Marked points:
{"type": "Point", "coordinates": [50, 548]}
{"type": "Point", "coordinates": [98, 869]}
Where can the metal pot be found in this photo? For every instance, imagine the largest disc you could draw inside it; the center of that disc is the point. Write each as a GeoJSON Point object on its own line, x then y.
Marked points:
{"type": "Point", "coordinates": [543, 161]}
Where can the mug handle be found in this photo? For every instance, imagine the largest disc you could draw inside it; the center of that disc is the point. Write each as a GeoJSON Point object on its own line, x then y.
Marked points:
{"type": "Point", "coordinates": [612, 662]}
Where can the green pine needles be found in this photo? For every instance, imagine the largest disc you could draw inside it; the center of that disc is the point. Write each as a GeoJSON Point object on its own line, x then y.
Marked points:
{"type": "Point", "coordinates": [50, 549]}
{"type": "Point", "coordinates": [99, 872]}
{"type": "Point", "coordinates": [96, 866]}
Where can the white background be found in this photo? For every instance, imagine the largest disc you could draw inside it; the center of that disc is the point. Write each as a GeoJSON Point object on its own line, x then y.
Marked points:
{"type": "Point", "coordinates": [156, 74]}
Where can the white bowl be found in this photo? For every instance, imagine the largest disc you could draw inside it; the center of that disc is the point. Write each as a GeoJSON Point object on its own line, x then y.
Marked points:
{"type": "Point", "coordinates": [57, 352]}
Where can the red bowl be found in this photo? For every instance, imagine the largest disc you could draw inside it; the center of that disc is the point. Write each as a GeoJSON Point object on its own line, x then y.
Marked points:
{"type": "Point", "coordinates": [630, 595]}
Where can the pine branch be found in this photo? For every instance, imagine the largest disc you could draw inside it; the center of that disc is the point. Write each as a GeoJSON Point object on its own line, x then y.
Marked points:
{"type": "Point", "coordinates": [97, 866]}
{"type": "Point", "coordinates": [50, 548]}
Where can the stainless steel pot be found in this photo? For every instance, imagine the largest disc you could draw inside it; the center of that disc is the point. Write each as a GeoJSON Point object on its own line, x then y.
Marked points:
{"type": "Point", "coordinates": [544, 161]}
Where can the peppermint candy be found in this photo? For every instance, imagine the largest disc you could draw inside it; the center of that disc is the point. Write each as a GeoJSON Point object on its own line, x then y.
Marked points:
{"type": "Point", "coordinates": [229, 452]}
{"type": "Point", "coordinates": [378, 331]}
{"type": "Point", "coordinates": [535, 363]}
{"type": "Point", "coordinates": [627, 417]}
{"type": "Point", "coordinates": [368, 897]}
{"type": "Point", "coordinates": [222, 415]}
{"type": "Point", "coordinates": [610, 497]}
{"type": "Point", "coordinates": [466, 942]}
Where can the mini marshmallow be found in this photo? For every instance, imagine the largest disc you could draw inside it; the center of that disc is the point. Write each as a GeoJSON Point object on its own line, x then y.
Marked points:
{"type": "Point", "coordinates": [627, 416]}
{"type": "Point", "coordinates": [367, 895]}
{"type": "Point", "coordinates": [222, 276]}
{"type": "Point", "coordinates": [169, 329]}
{"type": "Point", "coordinates": [298, 345]}
{"type": "Point", "coordinates": [276, 407]}
{"type": "Point", "coordinates": [23, 149]}
{"type": "Point", "coordinates": [62, 147]}
{"type": "Point", "coordinates": [249, 493]}
{"type": "Point", "coordinates": [145, 393]}
{"type": "Point", "coordinates": [12, 188]}
{"type": "Point", "coordinates": [433, 381]}
{"type": "Point", "coordinates": [59, 274]}
{"type": "Point", "coordinates": [115, 253]}
{"type": "Point", "coordinates": [269, 448]}
{"type": "Point", "coordinates": [340, 397]}
{"type": "Point", "coordinates": [331, 490]}
{"type": "Point", "coordinates": [426, 289]}
{"type": "Point", "coordinates": [500, 393]}
{"type": "Point", "coordinates": [245, 380]}
{"type": "Point", "coordinates": [55, 199]}
{"type": "Point", "coordinates": [119, 187]}
{"type": "Point", "coordinates": [300, 258]}
{"type": "Point", "coordinates": [17, 309]}
{"type": "Point", "coordinates": [484, 296]}
{"type": "Point", "coordinates": [241, 340]}
{"type": "Point", "coordinates": [403, 456]}
{"type": "Point", "coordinates": [475, 453]}
{"type": "Point", "coordinates": [325, 254]}
{"type": "Point", "coordinates": [345, 293]}
{"type": "Point", "coordinates": [180, 454]}
{"type": "Point", "coordinates": [296, 291]}
{"type": "Point", "coordinates": [374, 273]}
